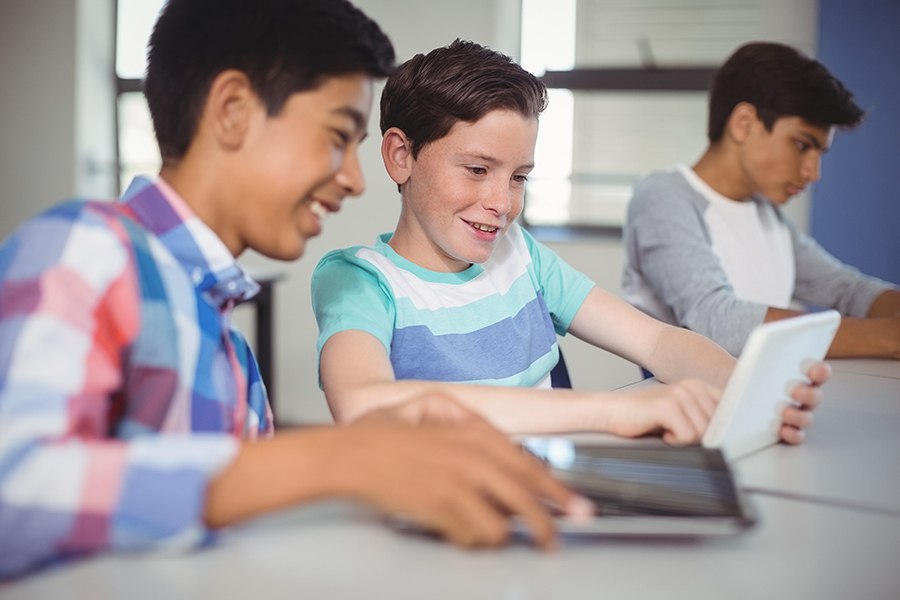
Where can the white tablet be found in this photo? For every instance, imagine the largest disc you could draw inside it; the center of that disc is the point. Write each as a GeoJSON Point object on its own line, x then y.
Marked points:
{"type": "Point", "coordinates": [775, 358]}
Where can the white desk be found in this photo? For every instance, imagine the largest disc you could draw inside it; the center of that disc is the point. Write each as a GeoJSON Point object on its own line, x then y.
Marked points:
{"type": "Point", "coordinates": [852, 452]}
{"type": "Point", "coordinates": [799, 551]}
{"type": "Point", "coordinates": [807, 547]}
{"type": "Point", "coordinates": [868, 366]}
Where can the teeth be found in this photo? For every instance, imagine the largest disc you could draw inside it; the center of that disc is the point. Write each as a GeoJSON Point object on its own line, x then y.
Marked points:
{"type": "Point", "coordinates": [483, 227]}
{"type": "Point", "coordinates": [318, 210]}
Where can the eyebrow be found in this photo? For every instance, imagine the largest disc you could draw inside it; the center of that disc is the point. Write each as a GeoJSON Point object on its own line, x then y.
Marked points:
{"type": "Point", "coordinates": [490, 159]}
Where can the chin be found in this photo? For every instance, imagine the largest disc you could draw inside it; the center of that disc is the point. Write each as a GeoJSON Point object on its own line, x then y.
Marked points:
{"type": "Point", "coordinates": [285, 254]}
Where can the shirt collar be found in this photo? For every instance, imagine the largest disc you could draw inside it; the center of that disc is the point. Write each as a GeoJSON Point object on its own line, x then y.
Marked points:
{"type": "Point", "coordinates": [204, 256]}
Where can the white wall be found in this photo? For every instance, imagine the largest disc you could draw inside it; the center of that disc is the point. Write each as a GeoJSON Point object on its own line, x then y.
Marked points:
{"type": "Point", "coordinates": [56, 102]}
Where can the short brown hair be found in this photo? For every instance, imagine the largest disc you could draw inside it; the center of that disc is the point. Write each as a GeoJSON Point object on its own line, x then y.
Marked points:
{"type": "Point", "coordinates": [464, 81]}
{"type": "Point", "coordinates": [779, 82]}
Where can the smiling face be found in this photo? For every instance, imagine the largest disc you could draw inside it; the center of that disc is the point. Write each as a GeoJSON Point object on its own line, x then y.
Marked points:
{"type": "Point", "coordinates": [780, 163]}
{"type": "Point", "coordinates": [463, 191]}
{"type": "Point", "coordinates": [297, 166]}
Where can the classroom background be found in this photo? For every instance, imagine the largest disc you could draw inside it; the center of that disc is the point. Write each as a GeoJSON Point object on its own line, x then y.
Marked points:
{"type": "Point", "coordinates": [58, 140]}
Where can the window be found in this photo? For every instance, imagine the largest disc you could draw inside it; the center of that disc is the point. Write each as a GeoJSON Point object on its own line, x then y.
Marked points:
{"type": "Point", "coordinates": [628, 83]}
{"type": "Point", "coordinates": [137, 149]}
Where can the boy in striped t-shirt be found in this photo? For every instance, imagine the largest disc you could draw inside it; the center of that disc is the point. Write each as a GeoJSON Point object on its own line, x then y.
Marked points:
{"type": "Point", "coordinates": [459, 293]}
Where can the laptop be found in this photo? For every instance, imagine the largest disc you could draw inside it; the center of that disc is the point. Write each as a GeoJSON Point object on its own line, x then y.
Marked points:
{"type": "Point", "coordinates": [647, 490]}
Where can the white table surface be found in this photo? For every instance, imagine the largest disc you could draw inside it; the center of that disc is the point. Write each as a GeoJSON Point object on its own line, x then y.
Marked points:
{"type": "Point", "coordinates": [798, 551]}
{"type": "Point", "coordinates": [829, 528]}
{"type": "Point", "coordinates": [867, 366]}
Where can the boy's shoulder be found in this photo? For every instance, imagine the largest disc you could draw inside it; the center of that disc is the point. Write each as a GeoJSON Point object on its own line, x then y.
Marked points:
{"type": "Point", "coordinates": [663, 190]}
{"type": "Point", "coordinates": [55, 224]}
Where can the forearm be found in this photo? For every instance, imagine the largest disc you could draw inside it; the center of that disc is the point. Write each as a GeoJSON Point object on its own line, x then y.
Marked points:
{"type": "Point", "coordinates": [266, 475]}
{"type": "Point", "coordinates": [873, 338]}
{"type": "Point", "coordinates": [885, 306]}
{"type": "Point", "coordinates": [510, 409]}
{"type": "Point", "coordinates": [682, 354]}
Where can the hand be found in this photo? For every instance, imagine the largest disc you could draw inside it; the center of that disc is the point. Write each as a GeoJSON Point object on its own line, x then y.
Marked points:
{"type": "Point", "coordinates": [681, 411]}
{"type": "Point", "coordinates": [807, 396]}
{"type": "Point", "coordinates": [461, 481]}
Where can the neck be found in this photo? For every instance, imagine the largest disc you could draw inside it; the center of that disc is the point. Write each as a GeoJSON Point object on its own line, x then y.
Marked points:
{"type": "Point", "coordinates": [200, 191]}
{"type": "Point", "coordinates": [721, 171]}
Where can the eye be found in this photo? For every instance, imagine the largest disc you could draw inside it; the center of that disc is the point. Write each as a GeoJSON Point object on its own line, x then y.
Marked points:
{"type": "Point", "coordinates": [341, 137]}
{"type": "Point", "coordinates": [477, 170]}
{"type": "Point", "coordinates": [520, 179]}
{"type": "Point", "coordinates": [802, 146]}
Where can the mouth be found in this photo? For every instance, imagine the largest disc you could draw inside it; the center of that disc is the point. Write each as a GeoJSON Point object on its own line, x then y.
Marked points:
{"type": "Point", "coordinates": [322, 210]}
{"type": "Point", "coordinates": [482, 227]}
{"type": "Point", "coordinates": [793, 190]}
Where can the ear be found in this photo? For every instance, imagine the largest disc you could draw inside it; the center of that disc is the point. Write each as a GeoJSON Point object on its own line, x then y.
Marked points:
{"type": "Point", "coordinates": [740, 123]}
{"type": "Point", "coordinates": [229, 109]}
{"type": "Point", "coordinates": [396, 152]}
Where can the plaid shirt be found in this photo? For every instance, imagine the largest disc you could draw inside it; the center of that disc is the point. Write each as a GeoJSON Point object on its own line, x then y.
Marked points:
{"type": "Point", "coordinates": [123, 387]}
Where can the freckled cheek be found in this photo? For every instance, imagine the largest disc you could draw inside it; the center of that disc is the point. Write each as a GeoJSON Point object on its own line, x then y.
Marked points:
{"type": "Point", "coordinates": [517, 202]}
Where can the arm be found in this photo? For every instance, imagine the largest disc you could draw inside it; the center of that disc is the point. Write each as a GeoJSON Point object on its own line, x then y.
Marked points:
{"type": "Point", "coordinates": [680, 412]}
{"type": "Point", "coordinates": [674, 354]}
{"type": "Point", "coordinates": [671, 353]}
{"type": "Point", "coordinates": [871, 327]}
{"type": "Point", "coordinates": [428, 459]}
{"type": "Point", "coordinates": [885, 306]}
{"type": "Point", "coordinates": [858, 337]}
{"type": "Point", "coordinates": [66, 486]}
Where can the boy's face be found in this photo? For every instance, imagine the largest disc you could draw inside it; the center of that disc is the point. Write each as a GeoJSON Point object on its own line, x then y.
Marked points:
{"type": "Point", "coordinates": [780, 163]}
{"type": "Point", "coordinates": [300, 165]}
{"type": "Point", "coordinates": [465, 190]}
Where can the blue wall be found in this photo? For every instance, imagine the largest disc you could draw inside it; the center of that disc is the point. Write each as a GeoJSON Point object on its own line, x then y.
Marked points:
{"type": "Point", "coordinates": [856, 204]}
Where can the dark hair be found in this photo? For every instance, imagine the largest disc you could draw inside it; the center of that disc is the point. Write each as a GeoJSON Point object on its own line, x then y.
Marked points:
{"type": "Point", "coordinates": [464, 81]}
{"type": "Point", "coordinates": [780, 82]}
{"type": "Point", "coordinates": [283, 46]}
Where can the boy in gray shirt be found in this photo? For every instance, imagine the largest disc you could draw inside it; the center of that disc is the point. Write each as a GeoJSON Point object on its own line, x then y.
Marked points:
{"type": "Point", "coordinates": [707, 247]}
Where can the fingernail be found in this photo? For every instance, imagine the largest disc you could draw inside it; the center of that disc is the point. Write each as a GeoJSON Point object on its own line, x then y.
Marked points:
{"type": "Point", "coordinates": [580, 507]}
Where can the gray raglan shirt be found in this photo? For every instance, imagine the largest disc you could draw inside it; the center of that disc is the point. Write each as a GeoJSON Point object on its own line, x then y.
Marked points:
{"type": "Point", "coordinates": [673, 272]}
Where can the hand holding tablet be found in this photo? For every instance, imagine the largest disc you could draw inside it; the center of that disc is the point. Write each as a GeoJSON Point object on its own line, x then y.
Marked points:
{"type": "Point", "coordinates": [775, 358]}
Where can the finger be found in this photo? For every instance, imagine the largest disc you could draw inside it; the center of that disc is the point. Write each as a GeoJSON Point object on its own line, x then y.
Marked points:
{"type": "Point", "coordinates": [678, 428]}
{"type": "Point", "coordinates": [791, 435]}
{"type": "Point", "coordinates": [809, 397]}
{"type": "Point", "coordinates": [515, 497]}
{"type": "Point", "coordinates": [454, 509]}
{"type": "Point", "coordinates": [796, 418]}
{"type": "Point", "coordinates": [532, 473]}
{"type": "Point", "coordinates": [477, 521]}
{"type": "Point", "coordinates": [819, 373]}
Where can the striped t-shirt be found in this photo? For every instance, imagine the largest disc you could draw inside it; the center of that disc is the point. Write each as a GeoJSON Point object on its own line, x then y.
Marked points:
{"type": "Point", "coordinates": [494, 323]}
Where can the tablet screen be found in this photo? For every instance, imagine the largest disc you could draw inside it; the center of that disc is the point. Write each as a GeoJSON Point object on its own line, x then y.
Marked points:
{"type": "Point", "coordinates": [635, 480]}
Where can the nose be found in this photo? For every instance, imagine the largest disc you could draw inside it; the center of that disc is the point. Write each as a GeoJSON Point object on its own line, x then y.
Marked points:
{"type": "Point", "coordinates": [812, 166]}
{"type": "Point", "coordinates": [350, 176]}
{"type": "Point", "coordinates": [499, 198]}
